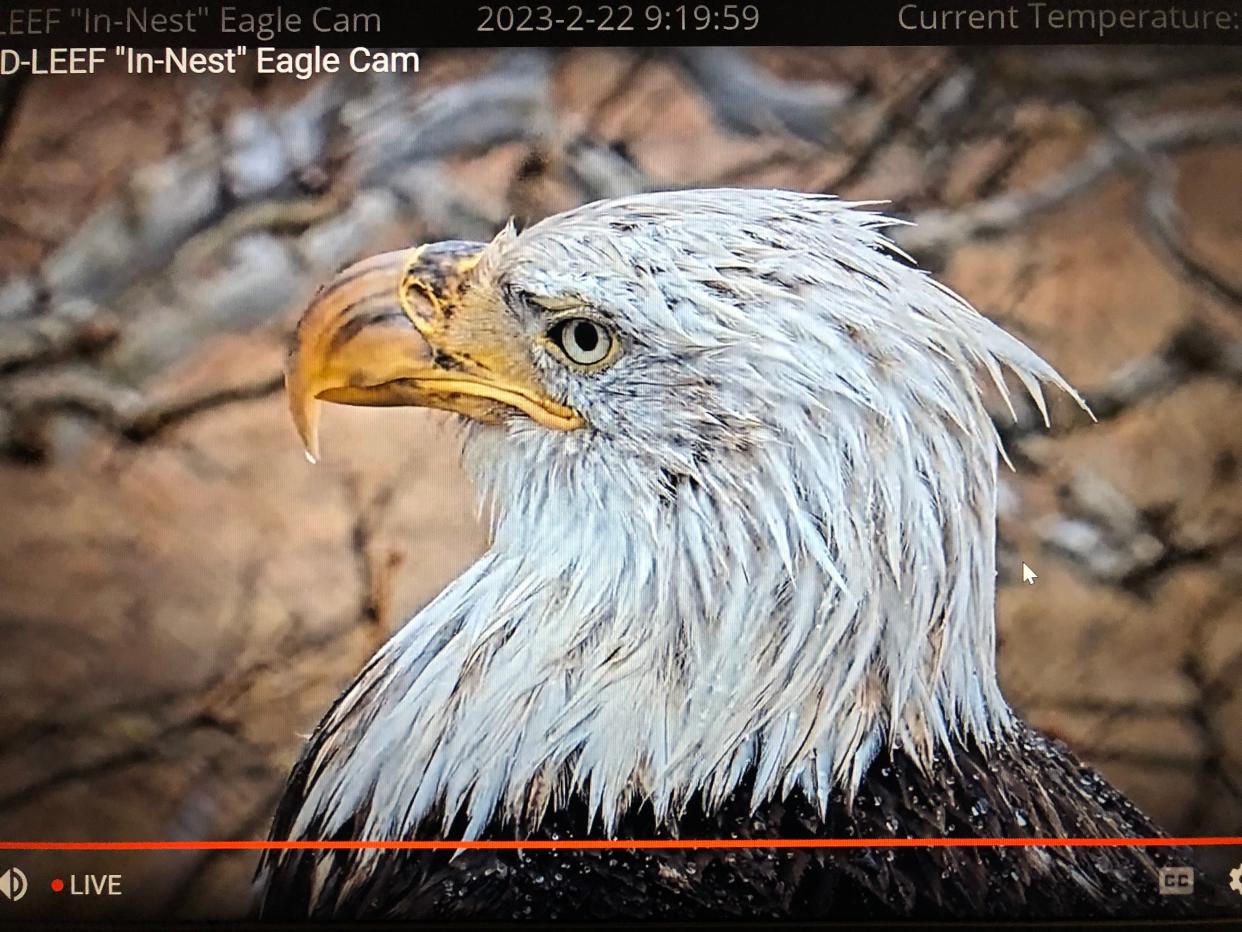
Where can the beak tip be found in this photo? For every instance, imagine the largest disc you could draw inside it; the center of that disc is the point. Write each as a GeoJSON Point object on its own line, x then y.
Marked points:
{"type": "Point", "coordinates": [305, 410]}
{"type": "Point", "coordinates": [310, 443]}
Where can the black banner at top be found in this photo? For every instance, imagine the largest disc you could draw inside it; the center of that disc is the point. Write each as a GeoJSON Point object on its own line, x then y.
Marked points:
{"type": "Point", "coordinates": [209, 24]}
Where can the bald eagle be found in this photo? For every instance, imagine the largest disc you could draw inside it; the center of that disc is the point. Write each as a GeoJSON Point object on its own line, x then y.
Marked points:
{"type": "Point", "coordinates": [741, 484]}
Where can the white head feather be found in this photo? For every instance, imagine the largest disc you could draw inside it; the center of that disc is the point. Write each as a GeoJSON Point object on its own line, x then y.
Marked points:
{"type": "Point", "coordinates": [772, 550]}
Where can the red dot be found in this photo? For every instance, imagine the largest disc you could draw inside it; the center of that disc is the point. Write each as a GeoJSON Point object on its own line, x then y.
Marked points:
{"type": "Point", "coordinates": [57, 885]}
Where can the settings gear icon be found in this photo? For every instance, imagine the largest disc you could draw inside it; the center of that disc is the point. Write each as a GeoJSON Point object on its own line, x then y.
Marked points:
{"type": "Point", "coordinates": [1235, 880]}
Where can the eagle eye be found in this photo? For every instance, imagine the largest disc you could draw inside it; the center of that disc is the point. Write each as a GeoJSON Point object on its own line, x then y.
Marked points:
{"type": "Point", "coordinates": [583, 341]}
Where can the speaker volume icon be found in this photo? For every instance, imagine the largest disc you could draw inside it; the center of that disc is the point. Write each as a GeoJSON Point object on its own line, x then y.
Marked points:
{"type": "Point", "coordinates": [13, 884]}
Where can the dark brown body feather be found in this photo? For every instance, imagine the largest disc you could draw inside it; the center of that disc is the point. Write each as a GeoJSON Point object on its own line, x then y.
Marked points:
{"type": "Point", "coordinates": [1026, 786]}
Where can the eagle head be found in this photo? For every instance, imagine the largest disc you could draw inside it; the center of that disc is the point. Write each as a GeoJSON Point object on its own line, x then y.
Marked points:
{"type": "Point", "coordinates": [741, 481]}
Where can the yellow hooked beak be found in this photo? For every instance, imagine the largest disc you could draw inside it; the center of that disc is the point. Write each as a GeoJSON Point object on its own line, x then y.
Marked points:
{"type": "Point", "coordinates": [411, 328]}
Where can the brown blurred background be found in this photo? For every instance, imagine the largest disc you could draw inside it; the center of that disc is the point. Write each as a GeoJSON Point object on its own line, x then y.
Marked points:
{"type": "Point", "coordinates": [182, 595]}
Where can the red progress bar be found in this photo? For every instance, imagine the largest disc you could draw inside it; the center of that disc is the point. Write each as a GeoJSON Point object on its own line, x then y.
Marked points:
{"type": "Point", "coordinates": [621, 845]}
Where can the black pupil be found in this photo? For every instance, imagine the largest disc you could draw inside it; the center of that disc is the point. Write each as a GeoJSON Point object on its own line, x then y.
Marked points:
{"type": "Point", "coordinates": [586, 335]}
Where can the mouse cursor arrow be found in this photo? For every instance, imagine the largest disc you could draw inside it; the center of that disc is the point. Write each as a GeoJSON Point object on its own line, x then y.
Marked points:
{"type": "Point", "coordinates": [1028, 575]}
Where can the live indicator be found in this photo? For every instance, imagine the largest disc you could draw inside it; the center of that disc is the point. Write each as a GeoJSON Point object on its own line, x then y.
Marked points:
{"type": "Point", "coordinates": [88, 885]}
